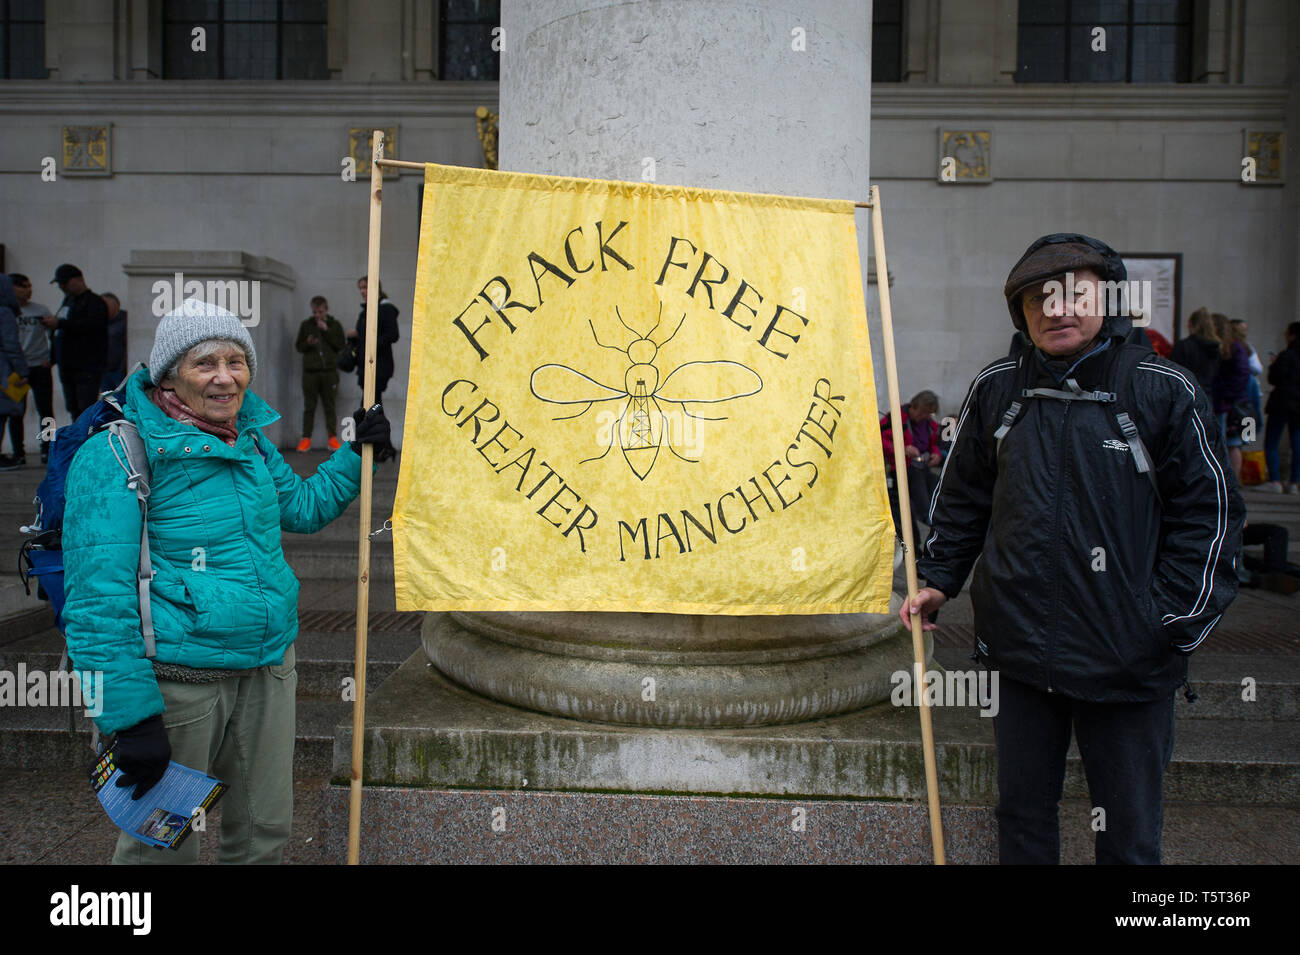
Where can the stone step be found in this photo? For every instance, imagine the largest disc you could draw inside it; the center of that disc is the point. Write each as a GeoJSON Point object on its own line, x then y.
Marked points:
{"type": "Point", "coordinates": [335, 593]}
{"type": "Point", "coordinates": [456, 827]}
{"type": "Point", "coordinates": [337, 561]}
{"type": "Point", "coordinates": [493, 827]}
{"type": "Point", "coordinates": [1226, 686]}
{"type": "Point", "coordinates": [424, 731]}
{"type": "Point", "coordinates": [340, 593]}
{"type": "Point", "coordinates": [324, 658]}
{"type": "Point", "coordinates": [16, 512]}
{"type": "Point", "coordinates": [35, 737]}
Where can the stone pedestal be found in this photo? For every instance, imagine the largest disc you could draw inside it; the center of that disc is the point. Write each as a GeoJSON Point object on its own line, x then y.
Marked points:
{"type": "Point", "coordinates": [451, 776]}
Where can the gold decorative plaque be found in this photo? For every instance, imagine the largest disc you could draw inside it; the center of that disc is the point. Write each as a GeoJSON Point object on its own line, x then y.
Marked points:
{"type": "Point", "coordinates": [86, 150]}
{"type": "Point", "coordinates": [965, 155]}
{"type": "Point", "coordinates": [1267, 147]}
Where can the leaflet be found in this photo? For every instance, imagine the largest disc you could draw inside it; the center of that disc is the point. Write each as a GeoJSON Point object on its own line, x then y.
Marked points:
{"type": "Point", "coordinates": [165, 815]}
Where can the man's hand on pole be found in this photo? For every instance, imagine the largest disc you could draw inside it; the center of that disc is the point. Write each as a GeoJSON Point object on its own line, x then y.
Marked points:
{"type": "Point", "coordinates": [927, 601]}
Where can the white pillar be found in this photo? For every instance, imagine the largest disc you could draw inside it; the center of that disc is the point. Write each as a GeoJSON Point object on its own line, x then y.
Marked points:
{"type": "Point", "coordinates": [756, 96]}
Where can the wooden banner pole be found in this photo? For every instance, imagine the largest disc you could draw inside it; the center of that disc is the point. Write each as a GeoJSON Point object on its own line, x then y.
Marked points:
{"type": "Point", "coordinates": [905, 518]}
{"type": "Point", "coordinates": [367, 468]}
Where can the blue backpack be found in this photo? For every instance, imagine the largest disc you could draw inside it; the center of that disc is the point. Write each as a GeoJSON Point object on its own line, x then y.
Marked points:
{"type": "Point", "coordinates": [41, 556]}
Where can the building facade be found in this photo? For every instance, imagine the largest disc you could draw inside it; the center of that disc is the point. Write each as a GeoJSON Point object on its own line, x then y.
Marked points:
{"type": "Point", "coordinates": [135, 154]}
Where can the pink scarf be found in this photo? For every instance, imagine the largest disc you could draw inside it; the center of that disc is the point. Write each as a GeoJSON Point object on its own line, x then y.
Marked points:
{"type": "Point", "coordinates": [173, 407]}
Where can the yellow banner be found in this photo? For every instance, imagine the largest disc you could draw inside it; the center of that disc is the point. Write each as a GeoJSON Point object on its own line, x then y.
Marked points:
{"type": "Point", "coordinates": [635, 397]}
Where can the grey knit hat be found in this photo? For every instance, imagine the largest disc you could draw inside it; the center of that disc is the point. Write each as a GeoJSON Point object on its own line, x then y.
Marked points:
{"type": "Point", "coordinates": [192, 322]}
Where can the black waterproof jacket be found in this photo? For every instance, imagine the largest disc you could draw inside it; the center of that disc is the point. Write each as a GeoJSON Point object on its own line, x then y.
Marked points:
{"type": "Point", "coordinates": [1284, 376]}
{"type": "Point", "coordinates": [1087, 585]}
{"type": "Point", "coordinates": [85, 333]}
{"type": "Point", "coordinates": [1200, 356]}
{"type": "Point", "coordinates": [388, 334]}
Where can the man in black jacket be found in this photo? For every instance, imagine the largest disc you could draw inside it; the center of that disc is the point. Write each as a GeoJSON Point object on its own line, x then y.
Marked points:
{"type": "Point", "coordinates": [1283, 410]}
{"type": "Point", "coordinates": [115, 359]}
{"type": "Point", "coordinates": [388, 334]}
{"type": "Point", "coordinates": [320, 339]}
{"type": "Point", "coordinates": [82, 326]}
{"type": "Point", "coordinates": [1089, 478]}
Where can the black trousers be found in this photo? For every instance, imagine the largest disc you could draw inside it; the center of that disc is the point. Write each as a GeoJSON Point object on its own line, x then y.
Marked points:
{"type": "Point", "coordinates": [381, 382]}
{"type": "Point", "coordinates": [1125, 749]}
{"type": "Point", "coordinates": [891, 485]}
{"type": "Point", "coordinates": [42, 383]}
{"type": "Point", "coordinates": [80, 388]}
{"type": "Point", "coordinates": [921, 482]}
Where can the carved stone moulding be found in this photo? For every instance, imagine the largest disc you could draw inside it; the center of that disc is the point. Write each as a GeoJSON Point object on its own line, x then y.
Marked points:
{"type": "Point", "coordinates": [671, 670]}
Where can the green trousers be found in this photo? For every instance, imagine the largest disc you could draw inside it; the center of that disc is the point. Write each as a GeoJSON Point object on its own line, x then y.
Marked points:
{"type": "Point", "coordinates": [325, 386]}
{"type": "Point", "coordinates": [240, 730]}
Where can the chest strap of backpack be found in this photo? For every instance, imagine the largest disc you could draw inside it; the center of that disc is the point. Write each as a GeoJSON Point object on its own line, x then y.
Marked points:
{"type": "Point", "coordinates": [1141, 457]}
{"type": "Point", "coordinates": [1075, 393]}
{"type": "Point", "coordinates": [136, 465]}
{"type": "Point", "coordinates": [1008, 419]}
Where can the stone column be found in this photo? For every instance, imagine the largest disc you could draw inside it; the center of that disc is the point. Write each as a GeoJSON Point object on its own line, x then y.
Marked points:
{"type": "Point", "coordinates": [760, 96]}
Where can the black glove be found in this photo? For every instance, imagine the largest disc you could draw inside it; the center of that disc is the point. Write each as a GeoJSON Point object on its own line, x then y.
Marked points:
{"type": "Point", "coordinates": [373, 428]}
{"type": "Point", "coordinates": [142, 752]}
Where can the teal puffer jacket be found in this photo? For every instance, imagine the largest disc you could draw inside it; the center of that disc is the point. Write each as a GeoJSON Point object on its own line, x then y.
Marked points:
{"type": "Point", "coordinates": [233, 604]}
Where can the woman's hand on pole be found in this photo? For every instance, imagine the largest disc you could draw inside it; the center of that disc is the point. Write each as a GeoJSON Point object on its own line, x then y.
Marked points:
{"type": "Point", "coordinates": [373, 428]}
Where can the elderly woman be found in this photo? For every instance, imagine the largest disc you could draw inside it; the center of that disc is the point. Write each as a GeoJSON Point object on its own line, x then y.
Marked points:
{"type": "Point", "coordinates": [219, 694]}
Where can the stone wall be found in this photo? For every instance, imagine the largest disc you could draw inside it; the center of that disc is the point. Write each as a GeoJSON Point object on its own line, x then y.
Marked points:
{"type": "Point", "coordinates": [255, 167]}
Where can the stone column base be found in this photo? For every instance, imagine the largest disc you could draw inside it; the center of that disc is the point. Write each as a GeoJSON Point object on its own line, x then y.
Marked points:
{"type": "Point", "coordinates": [670, 670]}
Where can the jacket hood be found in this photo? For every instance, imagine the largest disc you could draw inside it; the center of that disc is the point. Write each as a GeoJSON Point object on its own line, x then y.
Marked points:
{"type": "Point", "coordinates": [7, 297]}
{"type": "Point", "coordinates": [1062, 252]}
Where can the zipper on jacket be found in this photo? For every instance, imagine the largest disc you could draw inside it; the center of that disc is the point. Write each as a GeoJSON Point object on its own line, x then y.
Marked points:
{"type": "Point", "coordinates": [1056, 532]}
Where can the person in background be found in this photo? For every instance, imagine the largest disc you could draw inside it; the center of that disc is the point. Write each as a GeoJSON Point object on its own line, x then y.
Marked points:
{"type": "Point", "coordinates": [320, 339]}
{"type": "Point", "coordinates": [1283, 410]}
{"type": "Point", "coordinates": [1254, 394]}
{"type": "Point", "coordinates": [1159, 344]}
{"type": "Point", "coordinates": [13, 372]}
{"type": "Point", "coordinates": [81, 327]}
{"type": "Point", "coordinates": [115, 362]}
{"type": "Point", "coordinates": [1198, 350]}
{"type": "Point", "coordinates": [35, 339]}
{"type": "Point", "coordinates": [388, 334]}
{"type": "Point", "coordinates": [1231, 386]}
{"type": "Point", "coordinates": [924, 451]}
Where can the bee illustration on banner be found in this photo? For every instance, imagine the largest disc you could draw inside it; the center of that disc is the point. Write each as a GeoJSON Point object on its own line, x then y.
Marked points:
{"type": "Point", "coordinates": [641, 426]}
